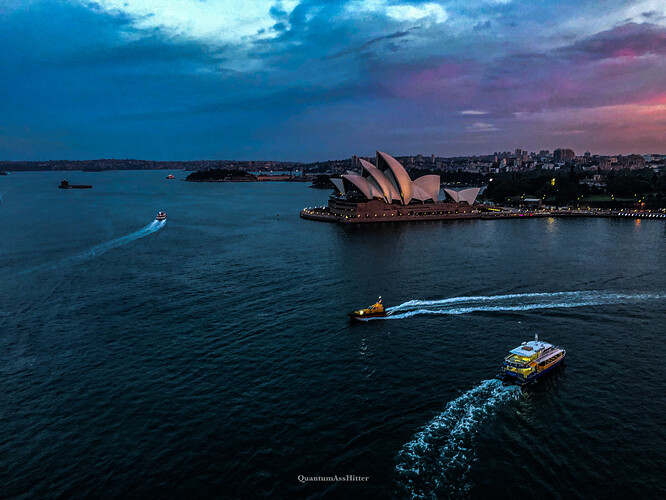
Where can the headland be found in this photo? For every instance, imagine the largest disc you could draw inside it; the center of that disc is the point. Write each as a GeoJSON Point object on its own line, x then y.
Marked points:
{"type": "Point", "coordinates": [227, 175]}
{"type": "Point", "coordinates": [384, 192]}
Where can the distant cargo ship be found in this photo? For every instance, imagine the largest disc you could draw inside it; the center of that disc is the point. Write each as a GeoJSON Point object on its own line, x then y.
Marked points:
{"type": "Point", "coordinates": [531, 360]}
{"type": "Point", "coordinates": [66, 185]}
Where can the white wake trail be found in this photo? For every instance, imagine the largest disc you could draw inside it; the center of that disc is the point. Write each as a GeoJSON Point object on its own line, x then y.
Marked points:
{"type": "Point", "coordinates": [436, 462]}
{"type": "Point", "coordinates": [154, 226]}
{"type": "Point", "coordinates": [513, 302]}
{"type": "Point", "coordinates": [481, 298]}
{"type": "Point", "coordinates": [104, 247]}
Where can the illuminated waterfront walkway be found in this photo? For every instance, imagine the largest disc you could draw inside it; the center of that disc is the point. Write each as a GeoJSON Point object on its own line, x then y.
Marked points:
{"type": "Point", "coordinates": [323, 214]}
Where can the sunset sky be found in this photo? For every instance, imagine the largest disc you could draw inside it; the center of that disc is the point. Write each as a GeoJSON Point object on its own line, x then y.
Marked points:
{"type": "Point", "coordinates": [314, 80]}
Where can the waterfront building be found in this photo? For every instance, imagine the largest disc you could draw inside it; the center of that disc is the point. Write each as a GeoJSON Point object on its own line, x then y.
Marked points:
{"type": "Point", "coordinates": [385, 192]}
{"type": "Point", "coordinates": [389, 182]}
{"type": "Point", "coordinates": [464, 195]}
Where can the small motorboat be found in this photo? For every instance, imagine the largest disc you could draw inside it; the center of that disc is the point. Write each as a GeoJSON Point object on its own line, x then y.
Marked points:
{"type": "Point", "coordinates": [161, 216]}
{"type": "Point", "coordinates": [376, 310]}
{"type": "Point", "coordinates": [170, 176]}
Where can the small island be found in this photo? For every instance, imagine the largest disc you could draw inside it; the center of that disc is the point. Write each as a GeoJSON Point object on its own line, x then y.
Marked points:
{"type": "Point", "coordinates": [323, 181]}
{"type": "Point", "coordinates": [221, 175]}
{"type": "Point", "coordinates": [229, 175]}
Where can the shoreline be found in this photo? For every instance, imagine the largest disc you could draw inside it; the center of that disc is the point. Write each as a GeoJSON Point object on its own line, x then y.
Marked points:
{"type": "Point", "coordinates": [322, 214]}
{"type": "Point", "coordinates": [247, 180]}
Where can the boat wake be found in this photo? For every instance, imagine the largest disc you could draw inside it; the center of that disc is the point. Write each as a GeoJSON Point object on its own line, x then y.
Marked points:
{"type": "Point", "coordinates": [104, 247]}
{"type": "Point", "coordinates": [154, 226]}
{"type": "Point", "coordinates": [436, 462]}
{"type": "Point", "coordinates": [513, 302]}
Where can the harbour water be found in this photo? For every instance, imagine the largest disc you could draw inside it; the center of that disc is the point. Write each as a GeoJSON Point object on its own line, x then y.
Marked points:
{"type": "Point", "coordinates": [211, 355]}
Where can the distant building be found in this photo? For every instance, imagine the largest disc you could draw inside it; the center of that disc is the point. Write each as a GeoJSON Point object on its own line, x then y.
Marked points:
{"type": "Point", "coordinates": [532, 203]}
{"type": "Point", "coordinates": [563, 155]}
{"type": "Point", "coordinates": [595, 181]}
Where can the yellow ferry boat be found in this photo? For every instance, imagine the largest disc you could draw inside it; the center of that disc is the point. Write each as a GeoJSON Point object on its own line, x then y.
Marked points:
{"type": "Point", "coordinates": [374, 311]}
{"type": "Point", "coordinates": [531, 360]}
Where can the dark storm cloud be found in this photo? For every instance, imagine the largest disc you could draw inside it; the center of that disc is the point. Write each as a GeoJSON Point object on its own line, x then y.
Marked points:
{"type": "Point", "coordinates": [603, 69]}
{"type": "Point", "coordinates": [155, 47]}
{"type": "Point", "coordinates": [288, 100]}
{"type": "Point", "coordinates": [629, 39]}
{"type": "Point", "coordinates": [320, 78]}
{"type": "Point", "coordinates": [65, 35]}
{"type": "Point", "coordinates": [372, 43]}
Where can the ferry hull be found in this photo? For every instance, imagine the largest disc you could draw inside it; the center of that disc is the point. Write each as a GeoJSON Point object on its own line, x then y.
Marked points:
{"type": "Point", "coordinates": [514, 378]}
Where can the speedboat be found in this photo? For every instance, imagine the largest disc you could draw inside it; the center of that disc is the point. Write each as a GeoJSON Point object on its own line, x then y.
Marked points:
{"type": "Point", "coordinates": [531, 360]}
{"type": "Point", "coordinates": [376, 310]}
{"type": "Point", "coordinates": [161, 216]}
{"type": "Point", "coordinates": [170, 176]}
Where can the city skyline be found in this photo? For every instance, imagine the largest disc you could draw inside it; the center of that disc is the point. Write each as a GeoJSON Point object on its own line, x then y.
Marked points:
{"type": "Point", "coordinates": [310, 80]}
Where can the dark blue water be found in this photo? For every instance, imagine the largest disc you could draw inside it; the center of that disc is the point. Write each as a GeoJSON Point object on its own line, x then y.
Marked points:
{"type": "Point", "coordinates": [211, 355]}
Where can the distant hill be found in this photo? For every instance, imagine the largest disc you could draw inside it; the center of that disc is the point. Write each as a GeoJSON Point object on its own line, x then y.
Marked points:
{"type": "Point", "coordinates": [129, 164]}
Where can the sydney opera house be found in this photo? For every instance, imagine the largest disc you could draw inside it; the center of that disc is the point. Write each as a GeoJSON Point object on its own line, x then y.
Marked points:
{"type": "Point", "coordinates": [384, 192]}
